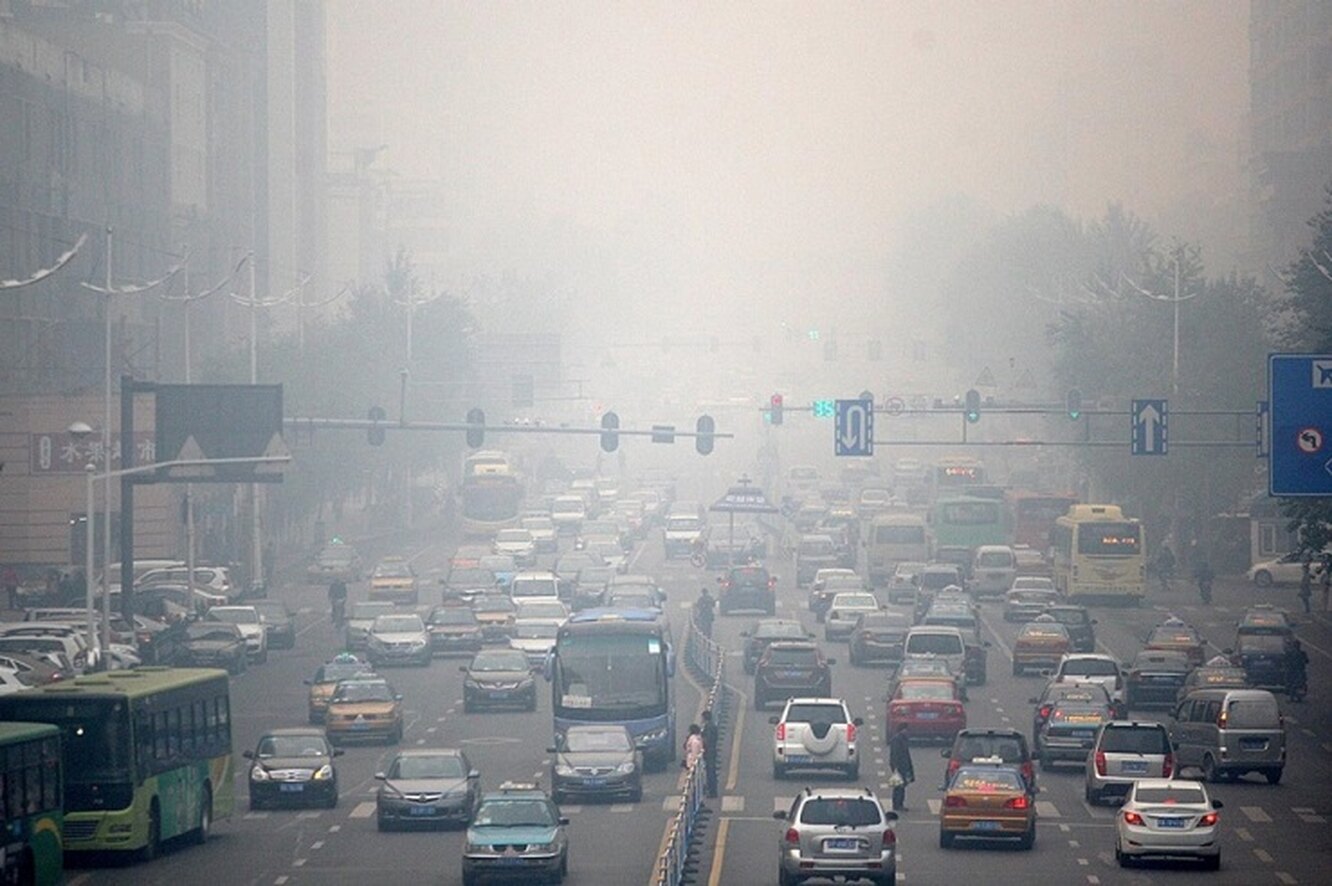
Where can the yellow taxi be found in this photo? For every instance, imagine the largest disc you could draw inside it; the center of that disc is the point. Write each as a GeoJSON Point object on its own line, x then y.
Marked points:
{"type": "Point", "coordinates": [342, 667]}
{"type": "Point", "coordinates": [1040, 644]}
{"type": "Point", "coordinates": [988, 800]}
{"type": "Point", "coordinates": [394, 580]}
{"type": "Point", "coordinates": [364, 708]}
{"type": "Point", "coordinates": [1173, 635]}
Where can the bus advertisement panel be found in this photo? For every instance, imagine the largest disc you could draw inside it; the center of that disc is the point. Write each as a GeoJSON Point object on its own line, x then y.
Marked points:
{"type": "Point", "coordinates": [616, 666]}
{"type": "Point", "coordinates": [146, 754]}
{"type": "Point", "coordinates": [1100, 555]}
{"type": "Point", "coordinates": [968, 523]}
{"type": "Point", "coordinates": [1034, 515]}
{"type": "Point", "coordinates": [31, 805]}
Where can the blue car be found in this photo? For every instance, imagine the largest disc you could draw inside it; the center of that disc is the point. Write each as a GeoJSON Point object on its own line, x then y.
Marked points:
{"type": "Point", "coordinates": [516, 834]}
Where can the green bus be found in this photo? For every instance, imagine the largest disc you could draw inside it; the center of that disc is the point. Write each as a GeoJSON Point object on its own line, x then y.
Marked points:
{"type": "Point", "coordinates": [146, 752]}
{"type": "Point", "coordinates": [968, 522]}
{"type": "Point", "coordinates": [30, 812]}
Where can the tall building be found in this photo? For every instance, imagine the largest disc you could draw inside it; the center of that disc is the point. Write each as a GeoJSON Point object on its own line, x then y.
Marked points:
{"type": "Point", "coordinates": [1290, 120]}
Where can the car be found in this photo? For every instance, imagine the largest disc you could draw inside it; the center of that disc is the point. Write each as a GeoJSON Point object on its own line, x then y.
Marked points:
{"type": "Point", "coordinates": [934, 577]}
{"type": "Point", "coordinates": [1169, 819]}
{"type": "Point", "coordinates": [1079, 624]}
{"type": "Point", "coordinates": [766, 631]}
{"type": "Point", "coordinates": [1039, 644]}
{"type": "Point", "coordinates": [1228, 733]}
{"type": "Point", "coordinates": [213, 644]}
{"type": "Point", "coordinates": [877, 638]}
{"type": "Point", "coordinates": [1093, 667]}
{"type": "Point", "coordinates": [396, 638]}
{"type": "Point", "coordinates": [827, 584]}
{"type": "Point", "coordinates": [589, 586]}
{"type": "Point", "coordinates": [568, 566]}
{"type": "Point", "coordinates": [251, 626]}
{"type": "Point", "coordinates": [903, 582]}
{"type": "Point", "coordinates": [1284, 570]}
{"type": "Point", "coordinates": [808, 515]}
{"type": "Point", "coordinates": [1068, 731]}
{"type": "Point", "coordinates": [1031, 582]}
{"type": "Point", "coordinates": [1124, 752]}
{"type": "Point", "coordinates": [542, 530]}
{"type": "Point", "coordinates": [722, 548]}
{"type": "Point", "coordinates": [929, 709]}
{"type": "Point", "coordinates": [535, 638]}
{"type": "Point", "coordinates": [517, 832]}
{"type": "Point", "coordinates": [356, 630]}
{"type": "Point", "coordinates": [937, 641]}
{"type": "Point", "coordinates": [427, 786]}
{"type": "Point", "coordinates": [279, 622]}
{"type": "Point", "coordinates": [987, 799]}
{"type": "Point", "coordinates": [535, 584]}
{"type": "Point", "coordinates": [502, 569]}
{"type": "Point", "coordinates": [815, 733]}
{"type": "Point", "coordinates": [540, 607]}
{"type": "Point", "coordinates": [216, 578]}
{"type": "Point", "coordinates": [747, 587]}
{"type": "Point", "coordinates": [364, 707]}
{"type": "Point", "coordinates": [453, 629]}
{"type": "Point", "coordinates": [567, 512]}
{"type": "Point", "coordinates": [343, 666]}
{"type": "Point", "coordinates": [993, 569]}
{"type": "Point", "coordinates": [1154, 677]}
{"type": "Point", "coordinates": [1055, 691]}
{"type": "Point", "coordinates": [681, 531]}
{"type": "Point", "coordinates": [812, 553]}
{"type": "Point", "coordinates": [496, 614]}
{"type": "Point", "coordinates": [293, 766]}
{"type": "Point", "coordinates": [336, 561]}
{"type": "Point", "coordinates": [517, 543]}
{"type": "Point", "coordinates": [48, 639]}
{"type": "Point", "coordinates": [787, 667]}
{"type": "Point", "coordinates": [1215, 673]}
{"type": "Point", "coordinates": [1264, 644]}
{"type": "Point", "coordinates": [465, 582]}
{"type": "Point", "coordinates": [1175, 636]}
{"type": "Point", "coordinates": [837, 833]}
{"type": "Point", "coordinates": [498, 678]}
{"type": "Point", "coordinates": [976, 744]}
{"type": "Point", "coordinates": [596, 761]}
{"type": "Point", "coordinates": [609, 550]}
{"type": "Point", "coordinates": [33, 670]}
{"type": "Point", "coordinates": [1024, 604]}
{"type": "Point", "coordinates": [843, 612]}
{"type": "Point", "coordinates": [926, 666]}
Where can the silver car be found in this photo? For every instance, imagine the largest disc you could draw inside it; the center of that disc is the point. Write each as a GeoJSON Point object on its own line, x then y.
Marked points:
{"type": "Point", "coordinates": [427, 787]}
{"type": "Point", "coordinates": [363, 615]}
{"type": "Point", "coordinates": [1163, 818]}
{"type": "Point", "coordinates": [837, 832]}
{"type": "Point", "coordinates": [1126, 751]}
{"type": "Point", "coordinates": [399, 639]}
{"type": "Point", "coordinates": [596, 760]}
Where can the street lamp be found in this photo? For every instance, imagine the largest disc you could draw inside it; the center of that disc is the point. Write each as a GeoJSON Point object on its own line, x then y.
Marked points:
{"type": "Point", "coordinates": [81, 431]}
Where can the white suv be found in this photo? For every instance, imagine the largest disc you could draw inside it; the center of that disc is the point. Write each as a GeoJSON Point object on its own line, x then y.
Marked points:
{"type": "Point", "coordinates": [1093, 667]}
{"type": "Point", "coordinates": [815, 733]}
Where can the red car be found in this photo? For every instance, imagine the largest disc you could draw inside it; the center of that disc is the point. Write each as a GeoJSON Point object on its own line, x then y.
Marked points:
{"type": "Point", "coordinates": [930, 708]}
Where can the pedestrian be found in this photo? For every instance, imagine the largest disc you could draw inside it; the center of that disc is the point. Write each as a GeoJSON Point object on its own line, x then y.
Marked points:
{"type": "Point", "coordinates": [1327, 580]}
{"type": "Point", "coordinates": [693, 746]}
{"type": "Point", "coordinates": [710, 739]}
{"type": "Point", "coordinates": [705, 612]}
{"type": "Point", "coordinates": [899, 760]}
{"type": "Point", "coordinates": [1306, 584]}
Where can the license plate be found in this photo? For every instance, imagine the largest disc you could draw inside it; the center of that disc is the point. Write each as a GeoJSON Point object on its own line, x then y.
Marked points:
{"type": "Point", "coordinates": [841, 843]}
{"type": "Point", "coordinates": [1177, 823]}
{"type": "Point", "coordinates": [1134, 767]}
{"type": "Point", "coordinates": [985, 825]}
{"type": "Point", "coordinates": [291, 788]}
{"type": "Point", "coordinates": [1253, 744]}
{"type": "Point", "coordinates": [594, 782]}
{"type": "Point", "coordinates": [798, 758]}
{"type": "Point", "coordinates": [790, 675]}
{"type": "Point", "coordinates": [498, 693]}
{"type": "Point", "coordinates": [511, 859]}
{"type": "Point", "coordinates": [927, 715]}
{"type": "Point", "coordinates": [423, 810]}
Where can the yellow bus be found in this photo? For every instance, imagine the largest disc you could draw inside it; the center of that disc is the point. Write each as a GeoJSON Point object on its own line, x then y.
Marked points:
{"type": "Point", "coordinates": [1099, 554]}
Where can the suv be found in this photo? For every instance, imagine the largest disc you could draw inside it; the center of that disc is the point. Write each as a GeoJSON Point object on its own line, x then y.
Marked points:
{"type": "Point", "coordinates": [1125, 751]}
{"type": "Point", "coordinates": [747, 587]}
{"type": "Point", "coordinates": [787, 667]}
{"type": "Point", "coordinates": [1092, 667]}
{"type": "Point", "coordinates": [837, 833]}
{"type": "Point", "coordinates": [816, 733]}
{"type": "Point", "coordinates": [765, 632]}
{"type": "Point", "coordinates": [1007, 745]}
{"type": "Point", "coordinates": [1078, 622]}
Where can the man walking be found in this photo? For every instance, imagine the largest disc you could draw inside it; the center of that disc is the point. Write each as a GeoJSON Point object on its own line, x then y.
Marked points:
{"type": "Point", "coordinates": [1306, 584]}
{"type": "Point", "coordinates": [710, 739]}
{"type": "Point", "coordinates": [899, 760]}
{"type": "Point", "coordinates": [706, 607]}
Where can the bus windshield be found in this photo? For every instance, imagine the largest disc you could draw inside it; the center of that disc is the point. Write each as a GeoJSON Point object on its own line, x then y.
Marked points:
{"type": "Point", "coordinates": [623, 677]}
{"type": "Point", "coordinates": [95, 733]}
{"type": "Point", "coordinates": [1112, 539]}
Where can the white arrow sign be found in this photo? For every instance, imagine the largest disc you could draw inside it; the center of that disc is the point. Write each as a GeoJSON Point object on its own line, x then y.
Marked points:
{"type": "Point", "coordinates": [854, 429]}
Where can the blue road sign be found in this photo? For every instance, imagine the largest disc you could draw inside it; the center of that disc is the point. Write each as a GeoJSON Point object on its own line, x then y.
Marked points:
{"type": "Point", "coordinates": [1150, 430]}
{"type": "Point", "coordinates": [853, 431]}
{"type": "Point", "coordinates": [1300, 390]}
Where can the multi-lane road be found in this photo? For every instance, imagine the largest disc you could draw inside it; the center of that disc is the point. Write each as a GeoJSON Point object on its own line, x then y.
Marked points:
{"type": "Point", "coordinates": [1271, 834]}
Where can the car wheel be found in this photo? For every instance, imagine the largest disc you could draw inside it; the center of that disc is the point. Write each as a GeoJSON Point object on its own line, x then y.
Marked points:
{"type": "Point", "coordinates": [1028, 839]}
{"type": "Point", "coordinates": [759, 702]}
{"type": "Point", "coordinates": [532, 705]}
{"type": "Point", "coordinates": [469, 878]}
{"type": "Point", "coordinates": [332, 801]}
{"type": "Point", "coordinates": [262, 657]}
{"type": "Point", "coordinates": [1046, 763]}
{"type": "Point", "coordinates": [778, 771]}
{"type": "Point", "coordinates": [1210, 773]}
{"type": "Point", "coordinates": [1124, 860]}
{"type": "Point", "coordinates": [153, 847]}
{"type": "Point", "coordinates": [853, 772]}
{"type": "Point", "coordinates": [636, 795]}
{"type": "Point", "coordinates": [383, 824]}
{"type": "Point", "coordinates": [1092, 797]}
{"type": "Point", "coordinates": [235, 669]}
{"type": "Point", "coordinates": [785, 878]}
{"type": "Point", "coordinates": [1273, 776]}
{"type": "Point", "coordinates": [1212, 863]}
{"type": "Point", "coordinates": [1017, 669]}
{"type": "Point", "coordinates": [1262, 578]}
{"type": "Point", "coordinates": [945, 840]}
{"type": "Point", "coordinates": [468, 707]}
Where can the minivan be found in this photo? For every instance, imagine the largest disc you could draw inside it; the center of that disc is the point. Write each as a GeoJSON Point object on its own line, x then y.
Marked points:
{"type": "Point", "coordinates": [937, 641]}
{"type": "Point", "coordinates": [992, 570]}
{"type": "Point", "coordinates": [1229, 732]}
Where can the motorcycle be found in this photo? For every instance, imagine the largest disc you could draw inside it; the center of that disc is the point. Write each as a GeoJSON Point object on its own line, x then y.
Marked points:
{"type": "Point", "coordinates": [1205, 590]}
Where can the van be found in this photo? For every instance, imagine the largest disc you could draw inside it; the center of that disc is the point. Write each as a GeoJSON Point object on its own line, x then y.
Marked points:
{"type": "Point", "coordinates": [1230, 732]}
{"type": "Point", "coordinates": [893, 539]}
{"type": "Point", "coordinates": [993, 569]}
{"type": "Point", "coordinates": [937, 641]}
{"type": "Point", "coordinates": [535, 585]}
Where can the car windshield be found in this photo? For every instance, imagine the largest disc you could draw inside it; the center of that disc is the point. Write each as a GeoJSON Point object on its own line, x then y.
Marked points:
{"type": "Point", "coordinates": [579, 740]}
{"type": "Point", "coordinates": [925, 690]}
{"type": "Point", "coordinates": [452, 615]}
{"type": "Point", "coordinates": [1171, 796]}
{"type": "Point", "coordinates": [292, 746]}
{"type": "Point", "coordinates": [238, 615]}
{"type": "Point", "coordinates": [211, 632]}
{"type": "Point", "coordinates": [499, 660]}
{"type": "Point", "coordinates": [627, 599]}
{"type": "Point", "coordinates": [332, 673]}
{"type": "Point", "coordinates": [995, 559]}
{"type": "Point", "coordinates": [398, 624]}
{"type": "Point", "coordinates": [1086, 692]}
{"type": "Point", "coordinates": [370, 611]}
{"type": "Point", "coordinates": [1028, 583]}
{"type": "Point", "coordinates": [815, 713]}
{"type": "Point", "coordinates": [803, 658]}
{"type": "Point", "coordinates": [273, 611]}
{"type": "Point", "coordinates": [493, 603]}
{"type": "Point", "coordinates": [777, 629]}
{"type": "Point", "coordinates": [683, 524]}
{"type": "Point", "coordinates": [987, 781]}
{"type": "Point", "coordinates": [1007, 748]}
{"type": "Point", "coordinates": [515, 814]}
{"type": "Point", "coordinates": [847, 812]}
{"type": "Point", "coordinates": [413, 766]}
{"type": "Point", "coordinates": [535, 631]}
{"type": "Point", "coordinates": [393, 570]}
{"type": "Point", "coordinates": [1134, 740]}
{"type": "Point", "coordinates": [541, 609]}
{"type": "Point", "coordinates": [363, 690]}
{"type": "Point", "coordinates": [934, 644]}
{"type": "Point", "coordinates": [1089, 667]}
{"type": "Point", "coordinates": [1068, 616]}
{"type": "Point", "coordinates": [855, 601]}
{"type": "Point", "coordinates": [1148, 660]}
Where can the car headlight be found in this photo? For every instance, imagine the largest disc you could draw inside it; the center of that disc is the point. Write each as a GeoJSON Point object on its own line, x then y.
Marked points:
{"type": "Point", "coordinates": [259, 773]}
{"type": "Point", "coordinates": [526, 682]}
{"type": "Point", "coordinates": [419, 642]}
{"type": "Point", "coordinates": [477, 848]}
{"type": "Point", "coordinates": [323, 773]}
{"type": "Point", "coordinates": [541, 847]}
{"type": "Point", "coordinates": [564, 769]}
{"type": "Point", "coordinates": [654, 736]}
{"type": "Point", "coordinates": [626, 767]}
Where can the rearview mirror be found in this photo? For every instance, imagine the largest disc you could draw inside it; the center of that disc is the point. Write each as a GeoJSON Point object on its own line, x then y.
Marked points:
{"type": "Point", "coordinates": [462, 669]}
{"type": "Point", "coordinates": [474, 774]}
{"type": "Point", "coordinates": [1033, 701]}
{"type": "Point", "coordinates": [779, 815]}
{"type": "Point", "coordinates": [889, 815]}
{"type": "Point", "coordinates": [945, 752]}
{"type": "Point", "coordinates": [858, 721]}
{"type": "Point", "coordinates": [773, 721]}
{"type": "Point", "coordinates": [1217, 804]}
{"type": "Point", "coordinates": [249, 755]}
{"type": "Point", "coordinates": [552, 750]}
{"type": "Point", "coordinates": [832, 661]}
{"type": "Point", "coordinates": [338, 752]}
{"type": "Point", "coordinates": [379, 776]}
{"type": "Point", "coordinates": [564, 821]}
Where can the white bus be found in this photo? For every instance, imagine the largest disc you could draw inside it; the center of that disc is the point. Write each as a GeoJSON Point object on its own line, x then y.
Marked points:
{"type": "Point", "coordinates": [892, 539]}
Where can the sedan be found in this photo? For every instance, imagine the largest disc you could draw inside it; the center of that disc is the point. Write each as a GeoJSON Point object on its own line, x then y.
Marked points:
{"type": "Point", "coordinates": [928, 708]}
{"type": "Point", "coordinates": [363, 708]}
{"type": "Point", "coordinates": [1155, 677]}
{"type": "Point", "coordinates": [845, 608]}
{"type": "Point", "coordinates": [251, 626]}
{"type": "Point", "coordinates": [765, 632]}
{"type": "Point", "coordinates": [535, 638]}
{"type": "Point", "coordinates": [1163, 818]}
{"type": "Point", "coordinates": [498, 678]}
{"type": "Point", "coordinates": [213, 645]}
{"type": "Point", "coordinates": [293, 766]}
{"type": "Point", "coordinates": [989, 802]}
{"type": "Point", "coordinates": [453, 629]}
{"type": "Point", "coordinates": [517, 543]}
{"type": "Point", "coordinates": [596, 760]}
{"type": "Point", "coordinates": [427, 786]}
{"type": "Point", "coordinates": [362, 616]}
{"type": "Point", "coordinates": [399, 639]}
{"type": "Point", "coordinates": [1024, 604]}
{"type": "Point", "coordinates": [279, 622]}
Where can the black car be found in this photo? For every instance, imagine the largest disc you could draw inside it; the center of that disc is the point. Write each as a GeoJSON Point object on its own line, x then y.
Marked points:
{"type": "Point", "coordinates": [596, 760]}
{"type": "Point", "coordinates": [1079, 624]}
{"type": "Point", "coordinates": [589, 588]}
{"type": "Point", "coordinates": [213, 644]}
{"type": "Point", "coordinates": [294, 767]}
{"type": "Point", "coordinates": [1264, 656]}
{"type": "Point", "coordinates": [454, 629]}
{"type": "Point", "coordinates": [499, 678]}
{"type": "Point", "coordinates": [279, 623]}
{"type": "Point", "coordinates": [747, 587]}
{"type": "Point", "coordinates": [1054, 693]}
{"type": "Point", "coordinates": [766, 631]}
{"type": "Point", "coordinates": [1155, 677]}
{"type": "Point", "coordinates": [791, 668]}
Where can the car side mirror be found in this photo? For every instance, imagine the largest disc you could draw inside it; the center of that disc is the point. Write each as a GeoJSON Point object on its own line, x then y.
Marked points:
{"type": "Point", "coordinates": [1093, 621]}
{"type": "Point", "coordinates": [308, 682]}
{"type": "Point", "coordinates": [889, 815]}
{"type": "Point", "coordinates": [473, 775]}
{"type": "Point", "coordinates": [858, 721]}
{"type": "Point", "coordinates": [744, 633]}
{"type": "Point", "coordinates": [338, 752]}
{"type": "Point", "coordinates": [832, 661]}
{"type": "Point", "coordinates": [945, 752]}
{"type": "Point", "coordinates": [986, 644]}
{"type": "Point", "coordinates": [779, 815]}
{"type": "Point", "coordinates": [1033, 701]}
{"type": "Point", "coordinates": [1045, 672]}
{"type": "Point", "coordinates": [397, 697]}
{"type": "Point", "coordinates": [564, 821]}
{"type": "Point", "coordinates": [1217, 804]}
{"type": "Point", "coordinates": [773, 721]}
{"type": "Point", "coordinates": [379, 776]}
{"type": "Point", "coordinates": [462, 669]}
{"type": "Point", "coordinates": [552, 750]}
{"type": "Point", "coordinates": [1227, 652]}
{"type": "Point", "coordinates": [249, 755]}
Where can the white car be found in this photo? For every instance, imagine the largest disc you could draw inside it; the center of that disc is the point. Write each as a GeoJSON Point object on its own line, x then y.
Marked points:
{"type": "Point", "coordinates": [1092, 667]}
{"type": "Point", "coordinates": [1284, 570]}
{"type": "Point", "coordinates": [1168, 819]}
{"type": "Point", "coordinates": [816, 733]}
{"type": "Point", "coordinates": [398, 638]}
{"type": "Point", "coordinates": [517, 543]}
{"type": "Point", "coordinates": [843, 612]}
{"type": "Point", "coordinates": [251, 625]}
{"type": "Point", "coordinates": [543, 534]}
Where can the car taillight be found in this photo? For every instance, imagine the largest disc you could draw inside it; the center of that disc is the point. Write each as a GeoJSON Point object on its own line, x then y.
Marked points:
{"type": "Point", "coordinates": [890, 837]}
{"type": "Point", "coordinates": [1100, 762]}
{"type": "Point", "coordinates": [726, 585]}
{"type": "Point", "coordinates": [1209, 820]}
{"type": "Point", "coordinates": [781, 732]}
{"type": "Point", "coordinates": [792, 836]}
{"type": "Point", "coordinates": [1044, 712]}
{"type": "Point", "coordinates": [1167, 765]}
{"type": "Point", "coordinates": [1017, 802]}
{"type": "Point", "coordinates": [953, 766]}
{"type": "Point", "coordinates": [954, 801]}
{"type": "Point", "coordinates": [772, 583]}
{"type": "Point", "coordinates": [1131, 817]}
{"type": "Point", "coordinates": [850, 733]}
{"type": "Point", "coordinates": [1029, 772]}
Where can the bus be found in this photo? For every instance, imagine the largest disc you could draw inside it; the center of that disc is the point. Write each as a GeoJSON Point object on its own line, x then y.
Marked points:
{"type": "Point", "coordinates": [491, 494]}
{"type": "Point", "coordinates": [1033, 516]}
{"type": "Point", "coordinates": [893, 539]}
{"type": "Point", "coordinates": [616, 666]}
{"type": "Point", "coordinates": [146, 754]}
{"type": "Point", "coordinates": [966, 522]}
{"type": "Point", "coordinates": [1099, 554]}
{"type": "Point", "coordinates": [950, 476]}
{"type": "Point", "coordinates": [31, 814]}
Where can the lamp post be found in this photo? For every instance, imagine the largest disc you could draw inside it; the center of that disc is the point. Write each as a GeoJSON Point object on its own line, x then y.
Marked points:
{"type": "Point", "coordinates": [81, 431]}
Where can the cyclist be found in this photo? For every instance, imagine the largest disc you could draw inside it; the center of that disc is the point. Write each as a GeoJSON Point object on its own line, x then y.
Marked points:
{"type": "Point", "coordinates": [1297, 674]}
{"type": "Point", "coordinates": [1165, 566]}
{"type": "Point", "coordinates": [337, 601]}
{"type": "Point", "coordinates": [1203, 575]}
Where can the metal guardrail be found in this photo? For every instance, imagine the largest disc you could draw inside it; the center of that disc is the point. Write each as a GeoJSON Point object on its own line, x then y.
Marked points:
{"type": "Point", "coordinates": [709, 660]}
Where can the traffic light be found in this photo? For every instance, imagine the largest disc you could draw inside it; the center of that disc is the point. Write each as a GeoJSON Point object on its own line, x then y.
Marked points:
{"type": "Point", "coordinates": [775, 409]}
{"type": "Point", "coordinates": [476, 435]}
{"type": "Point", "coordinates": [374, 435]}
{"type": "Point", "coordinates": [610, 424]}
{"type": "Point", "coordinates": [1073, 404]}
{"type": "Point", "coordinates": [973, 406]}
{"type": "Point", "coordinates": [704, 428]}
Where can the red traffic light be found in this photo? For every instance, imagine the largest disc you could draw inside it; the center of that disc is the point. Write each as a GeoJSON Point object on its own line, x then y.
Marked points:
{"type": "Point", "coordinates": [776, 400]}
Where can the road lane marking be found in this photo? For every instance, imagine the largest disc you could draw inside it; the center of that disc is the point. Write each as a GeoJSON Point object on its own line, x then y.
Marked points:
{"type": "Point", "coordinates": [1083, 862]}
{"type": "Point", "coordinates": [317, 844]}
{"type": "Point", "coordinates": [1046, 809]}
{"type": "Point", "coordinates": [251, 816]}
{"type": "Point", "coordinates": [1263, 855]}
{"type": "Point", "coordinates": [363, 810]}
{"type": "Point", "coordinates": [1003, 647]}
{"type": "Point", "coordinates": [934, 805]}
{"type": "Point", "coordinates": [298, 863]}
{"type": "Point", "coordinates": [1243, 834]}
{"type": "Point", "coordinates": [1074, 844]}
{"type": "Point", "coordinates": [1256, 814]}
{"type": "Point", "coordinates": [310, 814]}
{"type": "Point", "coordinates": [733, 772]}
{"type": "Point", "coordinates": [670, 803]}
{"type": "Point", "coordinates": [278, 882]}
{"type": "Point", "coordinates": [575, 808]}
{"type": "Point", "coordinates": [335, 828]}
{"type": "Point", "coordinates": [719, 852]}
{"type": "Point", "coordinates": [733, 803]}
{"type": "Point", "coordinates": [1285, 877]}
{"type": "Point", "coordinates": [1308, 816]}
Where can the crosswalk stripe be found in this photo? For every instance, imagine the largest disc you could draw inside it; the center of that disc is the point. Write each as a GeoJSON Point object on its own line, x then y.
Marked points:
{"type": "Point", "coordinates": [935, 806]}
{"type": "Point", "coordinates": [363, 810]}
{"type": "Point", "coordinates": [733, 803]}
{"type": "Point", "coordinates": [1255, 813]}
{"type": "Point", "coordinates": [670, 803]}
{"type": "Point", "coordinates": [619, 807]}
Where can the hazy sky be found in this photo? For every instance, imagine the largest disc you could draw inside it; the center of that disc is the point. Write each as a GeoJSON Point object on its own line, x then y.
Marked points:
{"type": "Point", "coordinates": [795, 135]}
